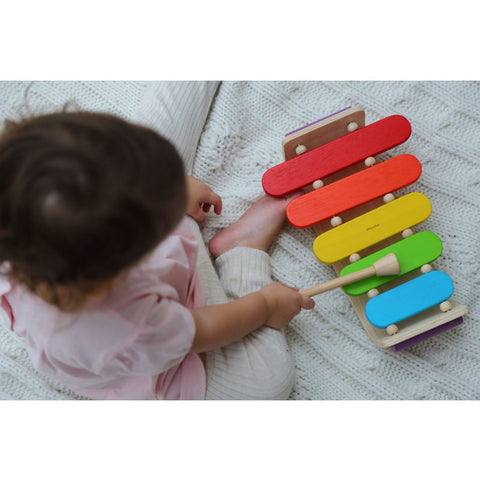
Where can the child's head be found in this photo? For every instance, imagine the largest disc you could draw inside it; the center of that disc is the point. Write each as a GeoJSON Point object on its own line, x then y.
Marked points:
{"type": "Point", "coordinates": [83, 196]}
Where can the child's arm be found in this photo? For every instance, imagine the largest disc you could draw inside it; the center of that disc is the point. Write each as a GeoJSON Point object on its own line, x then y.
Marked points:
{"type": "Point", "coordinates": [218, 325]}
{"type": "Point", "coordinates": [200, 199]}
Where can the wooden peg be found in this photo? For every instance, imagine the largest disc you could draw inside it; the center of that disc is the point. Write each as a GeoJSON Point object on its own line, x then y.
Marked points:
{"type": "Point", "coordinates": [387, 265]}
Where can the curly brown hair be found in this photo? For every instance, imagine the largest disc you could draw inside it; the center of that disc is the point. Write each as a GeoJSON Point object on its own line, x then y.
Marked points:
{"type": "Point", "coordinates": [83, 196]}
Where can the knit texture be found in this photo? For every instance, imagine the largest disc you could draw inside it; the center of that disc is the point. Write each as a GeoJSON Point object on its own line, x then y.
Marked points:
{"type": "Point", "coordinates": [258, 366]}
{"type": "Point", "coordinates": [242, 138]}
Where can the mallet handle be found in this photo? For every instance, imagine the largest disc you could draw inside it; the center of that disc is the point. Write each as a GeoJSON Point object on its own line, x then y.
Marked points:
{"type": "Point", "coordinates": [339, 282]}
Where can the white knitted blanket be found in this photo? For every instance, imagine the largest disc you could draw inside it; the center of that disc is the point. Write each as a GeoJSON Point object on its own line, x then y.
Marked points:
{"type": "Point", "coordinates": [242, 138]}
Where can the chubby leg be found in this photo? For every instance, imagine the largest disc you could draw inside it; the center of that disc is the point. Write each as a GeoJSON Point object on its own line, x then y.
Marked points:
{"type": "Point", "coordinates": [256, 228]}
{"type": "Point", "coordinates": [259, 366]}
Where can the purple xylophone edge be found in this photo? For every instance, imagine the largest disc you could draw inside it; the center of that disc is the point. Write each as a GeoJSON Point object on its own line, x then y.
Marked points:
{"type": "Point", "coordinates": [425, 335]}
{"type": "Point", "coordinates": [316, 121]}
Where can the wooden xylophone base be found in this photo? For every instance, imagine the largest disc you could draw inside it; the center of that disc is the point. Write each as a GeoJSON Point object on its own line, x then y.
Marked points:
{"type": "Point", "coordinates": [415, 328]}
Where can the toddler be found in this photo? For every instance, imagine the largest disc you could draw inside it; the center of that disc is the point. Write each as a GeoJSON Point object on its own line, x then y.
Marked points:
{"type": "Point", "coordinates": [99, 275]}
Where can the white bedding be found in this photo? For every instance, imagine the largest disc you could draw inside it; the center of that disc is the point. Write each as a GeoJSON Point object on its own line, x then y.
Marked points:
{"type": "Point", "coordinates": [242, 138]}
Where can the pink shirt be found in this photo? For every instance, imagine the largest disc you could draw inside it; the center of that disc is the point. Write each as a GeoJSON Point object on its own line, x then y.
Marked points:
{"type": "Point", "coordinates": [133, 344]}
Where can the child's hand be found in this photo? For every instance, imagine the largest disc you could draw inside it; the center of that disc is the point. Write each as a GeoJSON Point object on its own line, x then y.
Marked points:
{"type": "Point", "coordinates": [283, 304]}
{"type": "Point", "coordinates": [200, 199]}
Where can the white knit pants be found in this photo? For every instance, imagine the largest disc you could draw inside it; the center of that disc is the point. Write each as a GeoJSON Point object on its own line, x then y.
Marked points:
{"type": "Point", "coordinates": [259, 366]}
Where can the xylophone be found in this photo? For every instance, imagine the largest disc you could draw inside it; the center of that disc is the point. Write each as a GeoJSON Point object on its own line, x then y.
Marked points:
{"type": "Point", "coordinates": [349, 201]}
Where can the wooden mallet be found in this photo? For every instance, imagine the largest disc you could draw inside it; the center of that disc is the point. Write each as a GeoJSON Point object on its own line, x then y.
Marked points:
{"type": "Point", "coordinates": [387, 265]}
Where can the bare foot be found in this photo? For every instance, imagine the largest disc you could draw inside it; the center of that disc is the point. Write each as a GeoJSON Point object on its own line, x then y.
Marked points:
{"type": "Point", "coordinates": [256, 228]}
